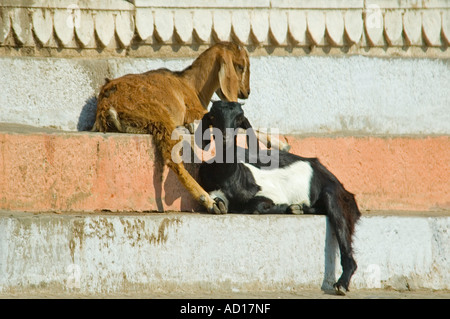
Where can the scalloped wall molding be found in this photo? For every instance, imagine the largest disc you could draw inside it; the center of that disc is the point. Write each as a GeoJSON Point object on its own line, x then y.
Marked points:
{"type": "Point", "coordinates": [118, 24]}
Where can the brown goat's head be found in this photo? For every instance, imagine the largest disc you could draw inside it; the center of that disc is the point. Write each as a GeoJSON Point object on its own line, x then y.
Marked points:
{"type": "Point", "coordinates": [234, 73]}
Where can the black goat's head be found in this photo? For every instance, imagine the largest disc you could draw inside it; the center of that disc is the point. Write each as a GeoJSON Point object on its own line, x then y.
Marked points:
{"type": "Point", "coordinates": [226, 117]}
{"type": "Point", "coordinates": [223, 115]}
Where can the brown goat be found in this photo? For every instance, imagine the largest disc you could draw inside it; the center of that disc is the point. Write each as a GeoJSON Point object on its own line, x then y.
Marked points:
{"type": "Point", "coordinates": [157, 102]}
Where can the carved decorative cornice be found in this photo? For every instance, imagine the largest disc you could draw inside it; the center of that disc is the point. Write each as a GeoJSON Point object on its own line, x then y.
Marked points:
{"type": "Point", "coordinates": [121, 25]}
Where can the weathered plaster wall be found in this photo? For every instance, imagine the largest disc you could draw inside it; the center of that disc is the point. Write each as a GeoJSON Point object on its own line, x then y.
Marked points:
{"type": "Point", "coordinates": [309, 94]}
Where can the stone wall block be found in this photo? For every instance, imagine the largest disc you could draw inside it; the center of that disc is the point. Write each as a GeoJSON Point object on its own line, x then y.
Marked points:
{"type": "Point", "coordinates": [203, 25]}
{"type": "Point", "coordinates": [445, 27]}
{"type": "Point", "coordinates": [393, 27]}
{"type": "Point", "coordinates": [374, 26]}
{"type": "Point", "coordinates": [164, 25]}
{"type": "Point", "coordinates": [222, 24]}
{"type": "Point", "coordinates": [353, 25]}
{"type": "Point", "coordinates": [240, 21]}
{"type": "Point", "coordinates": [84, 30]}
{"type": "Point", "coordinates": [144, 23]}
{"type": "Point", "coordinates": [184, 25]}
{"type": "Point", "coordinates": [21, 24]}
{"type": "Point", "coordinates": [104, 26]}
{"type": "Point", "coordinates": [278, 26]}
{"type": "Point", "coordinates": [297, 26]}
{"type": "Point", "coordinates": [334, 22]}
{"type": "Point", "coordinates": [316, 26]}
{"type": "Point", "coordinates": [259, 25]}
{"type": "Point", "coordinates": [63, 24]}
{"type": "Point", "coordinates": [431, 27]}
{"type": "Point", "coordinates": [42, 25]}
{"type": "Point", "coordinates": [125, 27]}
{"type": "Point", "coordinates": [412, 27]}
{"type": "Point", "coordinates": [5, 24]}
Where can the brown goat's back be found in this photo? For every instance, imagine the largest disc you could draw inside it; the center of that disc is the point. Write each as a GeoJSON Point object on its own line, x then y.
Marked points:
{"type": "Point", "coordinates": [142, 101]}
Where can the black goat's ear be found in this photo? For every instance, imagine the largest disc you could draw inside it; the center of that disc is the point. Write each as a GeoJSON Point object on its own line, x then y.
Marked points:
{"type": "Point", "coordinates": [252, 140]}
{"type": "Point", "coordinates": [200, 132]}
{"type": "Point", "coordinates": [206, 122]}
{"type": "Point", "coordinates": [245, 124]}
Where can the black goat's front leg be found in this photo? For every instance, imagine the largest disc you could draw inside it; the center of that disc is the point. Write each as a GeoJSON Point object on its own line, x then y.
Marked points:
{"type": "Point", "coordinates": [295, 209]}
{"type": "Point", "coordinates": [263, 205]}
{"type": "Point", "coordinates": [341, 228]}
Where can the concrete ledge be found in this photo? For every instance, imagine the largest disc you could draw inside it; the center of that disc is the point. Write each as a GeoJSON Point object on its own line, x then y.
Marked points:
{"type": "Point", "coordinates": [49, 170]}
{"type": "Point", "coordinates": [92, 254]}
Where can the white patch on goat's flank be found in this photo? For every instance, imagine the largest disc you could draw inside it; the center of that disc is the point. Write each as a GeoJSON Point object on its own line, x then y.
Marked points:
{"type": "Point", "coordinates": [287, 185]}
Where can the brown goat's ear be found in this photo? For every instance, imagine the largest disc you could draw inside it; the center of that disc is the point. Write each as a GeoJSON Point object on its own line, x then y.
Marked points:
{"type": "Point", "coordinates": [228, 79]}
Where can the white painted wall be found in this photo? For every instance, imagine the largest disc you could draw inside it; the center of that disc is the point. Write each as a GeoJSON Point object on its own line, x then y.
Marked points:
{"type": "Point", "coordinates": [204, 252]}
{"type": "Point", "coordinates": [309, 94]}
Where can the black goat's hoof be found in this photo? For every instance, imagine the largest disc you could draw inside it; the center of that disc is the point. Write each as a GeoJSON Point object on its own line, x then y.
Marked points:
{"type": "Point", "coordinates": [339, 289]}
{"type": "Point", "coordinates": [219, 206]}
{"type": "Point", "coordinates": [295, 209]}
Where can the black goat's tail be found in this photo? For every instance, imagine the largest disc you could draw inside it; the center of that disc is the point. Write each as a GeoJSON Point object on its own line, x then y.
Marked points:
{"type": "Point", "coordinates": [349, 208]}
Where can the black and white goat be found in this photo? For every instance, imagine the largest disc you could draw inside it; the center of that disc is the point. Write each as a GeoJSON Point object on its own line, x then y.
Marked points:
{"type": "Point", "coordinates": [290, 184]}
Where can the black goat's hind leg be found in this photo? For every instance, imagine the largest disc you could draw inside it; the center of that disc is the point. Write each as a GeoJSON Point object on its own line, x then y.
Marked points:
{"type": "Point", "coordinates": [342, 229]}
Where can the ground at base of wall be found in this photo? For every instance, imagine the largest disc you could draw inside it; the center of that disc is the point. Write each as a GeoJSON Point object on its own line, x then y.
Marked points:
{"type": "Point", "coordinates": [297, 294]}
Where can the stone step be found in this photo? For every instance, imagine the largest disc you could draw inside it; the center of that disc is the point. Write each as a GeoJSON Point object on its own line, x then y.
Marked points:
{"type": "Point", "coordinates": [51, 170]}
{"type": "Point", "coordinates": [185, 253]}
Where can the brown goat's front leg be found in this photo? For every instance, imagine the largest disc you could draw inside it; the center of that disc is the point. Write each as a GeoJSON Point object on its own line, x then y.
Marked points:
{"type": "Point", "coordinates": [171, 154]}
{"type": "Point", "coordinates": [195, 189]}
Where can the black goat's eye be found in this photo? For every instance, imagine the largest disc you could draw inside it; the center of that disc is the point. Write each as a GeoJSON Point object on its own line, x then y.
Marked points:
{"type": "Point", "coordinates": [240, 67]}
